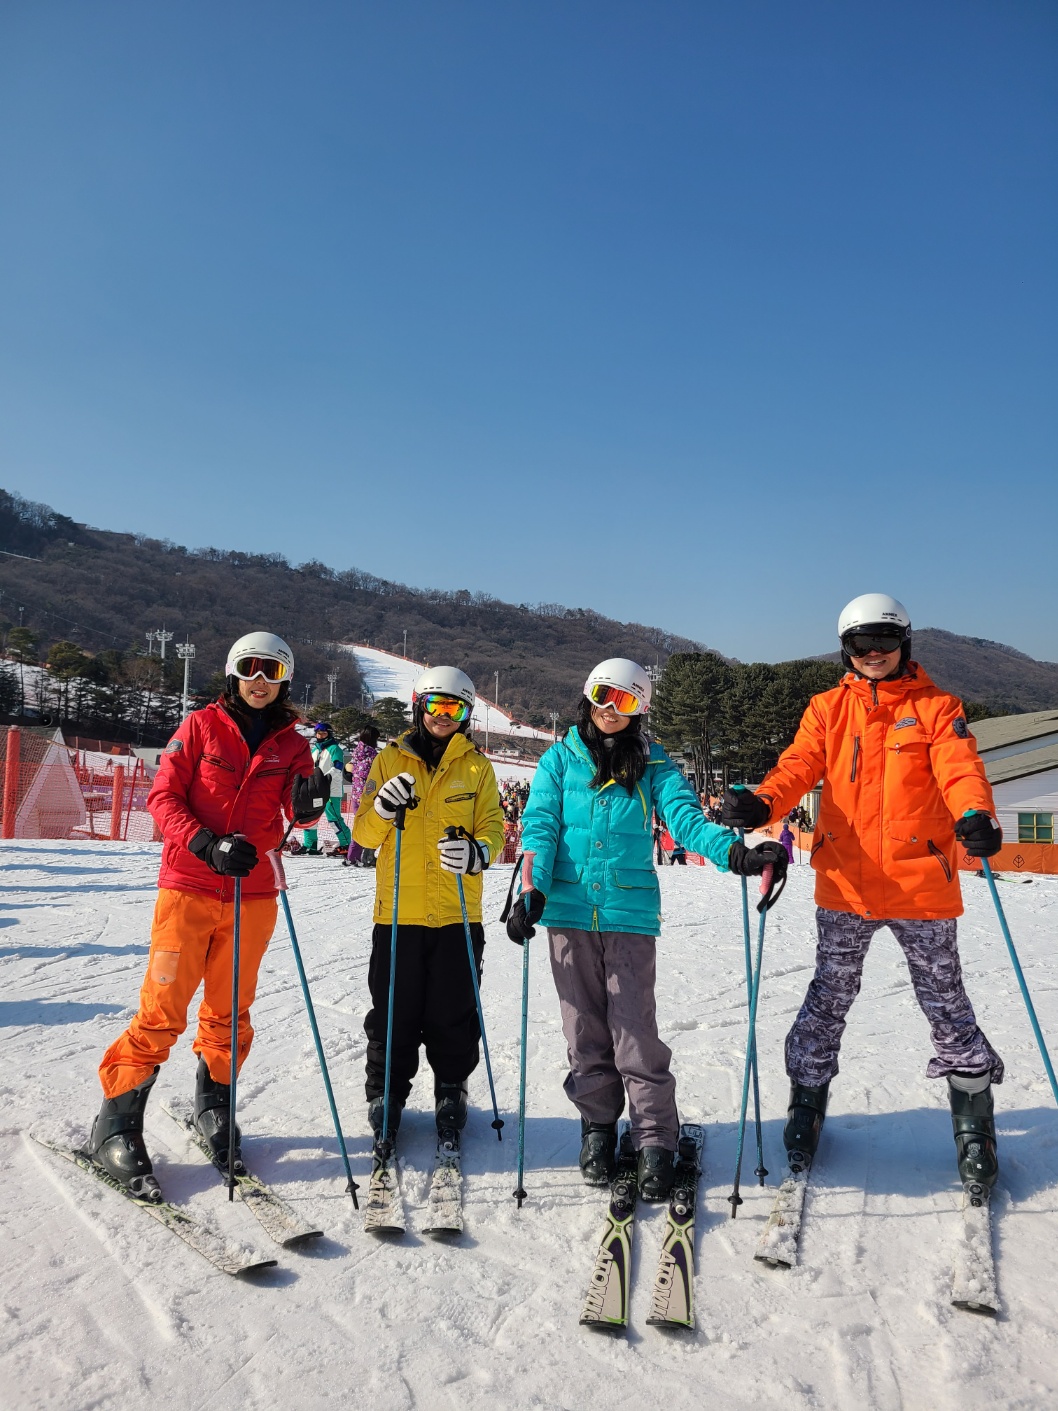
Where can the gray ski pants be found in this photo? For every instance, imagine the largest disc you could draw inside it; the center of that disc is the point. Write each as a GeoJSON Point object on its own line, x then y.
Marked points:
{"type": "Point", "coordinates": [932, 955]}
{"type": "Point", "coordinates": [605, 983]}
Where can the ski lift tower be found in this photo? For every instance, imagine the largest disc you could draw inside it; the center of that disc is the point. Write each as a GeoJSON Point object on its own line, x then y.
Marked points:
{"type": "Point", "coordinates": [186, 652]}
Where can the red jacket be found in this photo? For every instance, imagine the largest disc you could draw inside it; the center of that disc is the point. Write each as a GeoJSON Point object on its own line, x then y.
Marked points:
{"type": "Point", "coordinates": [208, 780]}
{"type": "Point", "coordinates": [899, 765]}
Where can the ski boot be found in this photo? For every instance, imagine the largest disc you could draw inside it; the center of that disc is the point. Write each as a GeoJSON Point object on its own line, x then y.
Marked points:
{"type": "Point", "coordinates": [657, 1169]}
{"type": "Point", "coordinates": [804, 1122]}
{"type": "Point", "coordinates": [450, 1108]}
{"type": "Point", "coordinates": [117, 1147]}
{"type": "Point", "coordinates": [974, 1127]}
{"type": "Point", "coordinates": [212, 1118]}
{"type": "Point", "coordinates": [598, 1152]}
{"type": "Point", "coordinates": [375, 1113]}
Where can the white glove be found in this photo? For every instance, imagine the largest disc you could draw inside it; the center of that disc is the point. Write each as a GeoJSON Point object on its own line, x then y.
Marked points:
{"type": "Point", "coordinates": [395, 793]}
{"type": "Point", "coordinates": [464, 855]}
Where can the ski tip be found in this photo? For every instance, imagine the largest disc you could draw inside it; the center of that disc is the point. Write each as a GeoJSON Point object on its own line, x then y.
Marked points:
{"type": "Point", "coordinates": [256, 1267]}
{"type": "Point", "coordinates": [986, 1310]}
{"type": "Point", "coordinates": [602, 1325]}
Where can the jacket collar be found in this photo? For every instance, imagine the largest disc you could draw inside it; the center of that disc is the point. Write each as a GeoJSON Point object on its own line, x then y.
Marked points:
{"type": "Point", "coordinates": [458, 745]}
{"type": "Point", "coordinates": [913, 679]}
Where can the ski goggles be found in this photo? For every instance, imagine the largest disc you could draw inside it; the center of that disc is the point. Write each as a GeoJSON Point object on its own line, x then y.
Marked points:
{"type": "Point", "coordinates": [247, 668]}
{"type": "Point", "coordinates": [861, 644]}
{"type": "Point", "coordinates": [623, 702]}
{"type": "Point", "coordinates": [446, 708]}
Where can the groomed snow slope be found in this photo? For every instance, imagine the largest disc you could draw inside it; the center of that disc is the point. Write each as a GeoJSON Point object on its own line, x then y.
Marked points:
{"type": "Point", "coordinates": [387, 675]}
{"type": "Point", "coordinates": [104, 1309]}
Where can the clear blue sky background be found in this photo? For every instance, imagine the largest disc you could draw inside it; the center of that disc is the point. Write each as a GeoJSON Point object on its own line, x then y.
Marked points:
{"type": "Point", "coordinates": [704, 314]}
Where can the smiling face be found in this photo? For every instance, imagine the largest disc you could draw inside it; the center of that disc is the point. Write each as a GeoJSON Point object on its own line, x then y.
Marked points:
{"type": "Point", "coordinates": [876, 666]}
{"type": "Point", "coordinates": [259, 693]}
{"type": "Point", "coordinates": [606, 720]}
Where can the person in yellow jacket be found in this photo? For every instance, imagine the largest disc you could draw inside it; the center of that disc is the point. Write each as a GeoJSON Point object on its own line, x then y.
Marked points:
{"type": "Point", "coordinates": [438, 775]}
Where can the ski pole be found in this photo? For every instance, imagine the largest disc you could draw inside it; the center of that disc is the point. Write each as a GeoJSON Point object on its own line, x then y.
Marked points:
{"type": "Point", "coordinates": [1021, 978]}
{"type": "Point", "coordinates": [734, 1198]}
{"type": "Point", "coordinates": [761, 1171]}
{"type": "Point", "coordinates": [383, 1144]}
{"type": "Point", "coordinates": [281, 883]}
{"type": "Point", "coordinates": [519, 1194]}
{"type": "Point", "coordinates": [234, 1073]}
{"type": "Point", "coordinates": [453, 833]}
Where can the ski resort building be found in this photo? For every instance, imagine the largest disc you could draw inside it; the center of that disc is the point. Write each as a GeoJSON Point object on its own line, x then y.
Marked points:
{"type": "Point", "coordinates": [1020, 754]}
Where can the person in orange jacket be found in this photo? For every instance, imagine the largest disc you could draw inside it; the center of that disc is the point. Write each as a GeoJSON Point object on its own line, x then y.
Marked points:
{"type": "Point", "coordinates": [903, 788]}
{"type": "Point", "coordinates": [227, 778]}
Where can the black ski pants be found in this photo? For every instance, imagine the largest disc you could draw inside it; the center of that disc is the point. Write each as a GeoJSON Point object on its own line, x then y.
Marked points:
{"type": "Point", "coordinates": [433, 1004]}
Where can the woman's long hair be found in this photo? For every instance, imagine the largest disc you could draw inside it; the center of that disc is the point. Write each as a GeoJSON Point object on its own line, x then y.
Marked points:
{"type": "Point", "coordinates": [276, 715]}
{"type": "Point", "coordinates": [621, 757]}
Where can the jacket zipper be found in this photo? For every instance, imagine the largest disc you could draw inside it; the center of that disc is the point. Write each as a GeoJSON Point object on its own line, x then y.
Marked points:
{"type": "Point", "coordinates": [940, 857]}
{"type": "Point", "coordinates": [595, 918]}
{"type": "Point", "coordinates": [855, 758]}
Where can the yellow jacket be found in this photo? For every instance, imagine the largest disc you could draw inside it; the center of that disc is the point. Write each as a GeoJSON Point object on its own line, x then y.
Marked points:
{"type": "Point", "coordinates": [462, 790]}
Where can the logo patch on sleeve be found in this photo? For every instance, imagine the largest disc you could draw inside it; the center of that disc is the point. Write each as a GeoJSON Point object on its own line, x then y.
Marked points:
{"type": "Point", "coordinates": [174, 747]}
{"type": "Point", "coordinates": [370, 786]}
{"type": "Point", "coordinates": [907, 720]}
{"type": "Point", "coordinates": [960, 727]}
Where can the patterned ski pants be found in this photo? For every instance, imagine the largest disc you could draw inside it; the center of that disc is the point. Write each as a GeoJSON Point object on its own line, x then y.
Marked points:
{"type": "Point", "coordinates": [932, 955]}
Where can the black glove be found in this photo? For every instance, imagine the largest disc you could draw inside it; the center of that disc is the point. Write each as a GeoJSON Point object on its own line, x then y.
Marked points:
{"type": "Point", "coordinates": [751, 862]}
{"type": "Point", "coordinates": [742, 808]}
{"type": "Point", "coordinates": [308, 797]}
{"type": "Point", "coordinates": [524, 914]}
{"type": "Point", "coordinates": [395, 794]}
{"type": "Point", "coordinates": [462, 854]}
{"type": "Point", "coordinates": [979, 834]}
{"type": "Point", "coordinates": [230, 856]}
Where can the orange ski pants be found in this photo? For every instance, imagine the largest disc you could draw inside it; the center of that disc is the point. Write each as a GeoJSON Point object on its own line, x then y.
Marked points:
{"type": "Point", "coordinates": [192, 942]}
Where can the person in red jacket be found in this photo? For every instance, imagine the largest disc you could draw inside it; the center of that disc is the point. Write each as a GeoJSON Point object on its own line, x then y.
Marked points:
{"type": "Point", "coordinates": [227, 778]}
{"type": "Point", "coordinates": [903, 788]}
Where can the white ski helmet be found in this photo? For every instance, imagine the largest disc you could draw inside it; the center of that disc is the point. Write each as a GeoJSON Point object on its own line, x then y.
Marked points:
{"type": "Point", "coordinates": [873, 610]}
{"type": "Point", "coordinates": [445, 681]}
{"type": "Point", "coordinates": [622, 675]}
{"type": "Point", "coordinates": [260, 644]}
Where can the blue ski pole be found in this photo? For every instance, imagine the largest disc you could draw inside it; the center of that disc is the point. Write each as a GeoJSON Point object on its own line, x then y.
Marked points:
{"type": "Point", "coordinates": [761, 1171]}
{"type": "Point", "coordinates": [383, 1145]}
{"type": "Point", "coordinates": [453, 833]}
{"type": "Point", "coordinates": [1021, 978]}
{"type": "Point", "coordinates": [519, 1193]}
{"type": "Point", "coordinates": [234, 1071]}
{"type": "Point", "coordinates": [281, 883]}
{"type": "Point", "coordinates": [734, 1198]}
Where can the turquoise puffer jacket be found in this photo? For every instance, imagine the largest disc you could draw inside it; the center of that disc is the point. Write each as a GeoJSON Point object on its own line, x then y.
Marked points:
{"type": "Point", "coordinates": [593, 856]}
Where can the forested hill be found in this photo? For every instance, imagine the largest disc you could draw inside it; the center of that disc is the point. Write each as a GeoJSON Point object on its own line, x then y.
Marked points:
{"type": "Point", "coordinates": [104, 591]}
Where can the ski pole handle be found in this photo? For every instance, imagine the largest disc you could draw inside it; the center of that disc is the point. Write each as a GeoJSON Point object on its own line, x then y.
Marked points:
{"type": "Point", "coordinates": [765, 880]}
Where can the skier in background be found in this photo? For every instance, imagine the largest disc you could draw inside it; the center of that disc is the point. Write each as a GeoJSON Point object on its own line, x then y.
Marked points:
{"type": "Point", "coordinates": [786, 838]}
{"type": "Point", "coordinates": [329, 758]}
{"type": "Point", "coordinates": [358, 768]}
{"type": "Point", "coordinates": [226, 779]}
{"type": "Point", "coordinates": [903, 788]}
{"type": "Point", "coordinates": [437, 773]}
{"type": "Point", "coordinates": [587, 838]}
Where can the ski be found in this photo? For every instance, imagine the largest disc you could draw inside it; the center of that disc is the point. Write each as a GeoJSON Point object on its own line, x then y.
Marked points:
{"type": "Point", "coordinates": [278, 1219]}
{"type": "Point", "coordinates": [223, 1255]}
{"type": "Point", "coordinates": [780, 1241]}
{"type": "Point", "coordinates": [973, 1273]}
{"type": "Point", "coordinates": [446, 1189]}
{"type": "Point", "coordinates": [672, 1298]}
{"type": "Point", "coordinates": [606, 1306]}
{"type": "Point", "coordinates": [384, 1213]}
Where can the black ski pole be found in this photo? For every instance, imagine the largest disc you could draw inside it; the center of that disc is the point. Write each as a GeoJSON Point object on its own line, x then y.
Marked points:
{"type": "Point", "coordinates": [383, 1145]}
{"type": "Point", "coordinates": [734, 1198]}
{"type": "Point", "coordinates": [234, 1073]}
{"type": "Point", "coordinates": [281, 883]}
{"type": "Point", "coordinates": [520, 1193]}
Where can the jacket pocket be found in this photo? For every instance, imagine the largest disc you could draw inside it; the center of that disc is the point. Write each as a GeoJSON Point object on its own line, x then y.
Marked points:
{"type": "Point", "coordinates": [567, 872]}
{"type": "Point", "coordinates": [855, 758]}
{"type": "Point", "coordinates": [940, 857]}
{"type": "Point", "coordinates": [817, 846]}
{"type": "Point", "coordinates": [635, 877]}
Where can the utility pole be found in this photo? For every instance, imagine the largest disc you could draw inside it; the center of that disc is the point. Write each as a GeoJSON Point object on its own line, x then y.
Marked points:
{"type": "Point", "coordinates": [497, 676]}
{"type": "Point", "coordinates": [186, 652]}
{"type": "Point", "coordinates": [405, 644]}
{"type": "Point", "coordinates": [161, 637]}
{"type": "Point", "coordinates": [148, 635]}
{"type": "Point", "coordinates": [332, 681]}
{"type": "Point", "coordinates": [554, 725]}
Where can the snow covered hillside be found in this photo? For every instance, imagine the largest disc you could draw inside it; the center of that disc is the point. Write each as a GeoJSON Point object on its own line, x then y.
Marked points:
{"type": "Point", "coordinates": [387, 675]}
{"type": "Point", "coordinates": [103, 1308]}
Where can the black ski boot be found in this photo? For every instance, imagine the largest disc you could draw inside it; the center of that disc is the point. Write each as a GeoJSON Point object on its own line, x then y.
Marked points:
{"type": "Point", "coordinates": [657, 1169]}
{"type": "Point", "coordinates": [450, 1111]}
{"type": "Point", "coordinates": [376, 1111]}
{"type": "Point", "coordinates": [117, 1146]}
{"type": "Point", "coordinates": [212, 1118]}
{"type": "Point", "coordinates": [804, 1122]}
{"type": "Point", "coordinates": [598, 1152]}
{"type": "Point", "coordinates": [974, 1128]}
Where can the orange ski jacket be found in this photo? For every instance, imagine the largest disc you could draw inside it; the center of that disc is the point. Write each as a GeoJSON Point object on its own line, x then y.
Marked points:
{"type": "Point", "coordinates": [899, 766]}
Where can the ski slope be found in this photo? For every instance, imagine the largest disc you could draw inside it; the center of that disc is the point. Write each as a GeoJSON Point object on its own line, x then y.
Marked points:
{"type": "Point", "coordinates": [104, 1309]}
{"type": "Point", "coordinates": [385, 674]}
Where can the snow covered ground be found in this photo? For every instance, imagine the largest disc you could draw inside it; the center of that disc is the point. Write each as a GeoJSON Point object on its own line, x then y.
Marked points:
{"type": "Point", "coordinates": [387, 675]}
{"type": "Point", "coordinates": [102, 1308]}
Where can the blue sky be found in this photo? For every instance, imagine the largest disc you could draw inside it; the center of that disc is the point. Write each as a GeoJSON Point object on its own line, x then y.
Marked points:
{"type": "Point", "coordinates": [702, 314]}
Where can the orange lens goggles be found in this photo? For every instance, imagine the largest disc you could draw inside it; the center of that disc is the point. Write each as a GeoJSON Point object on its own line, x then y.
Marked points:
{"type": "Point", "coordinates": [623, 702]}
{"type": "Point", "coordinates": [246, 668]}
{"type": "Point", "coordinates": [450, 707]}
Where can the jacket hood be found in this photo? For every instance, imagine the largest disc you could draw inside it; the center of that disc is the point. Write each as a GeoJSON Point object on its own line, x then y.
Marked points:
{"type": "Point", "coordinates": [913, 679]}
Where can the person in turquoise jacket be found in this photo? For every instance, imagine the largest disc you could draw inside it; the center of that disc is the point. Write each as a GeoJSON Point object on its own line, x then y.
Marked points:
{"type": "Point", "coordinates": [329, 757]}
{"type": "Point", "coordinates": [588, 875]}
